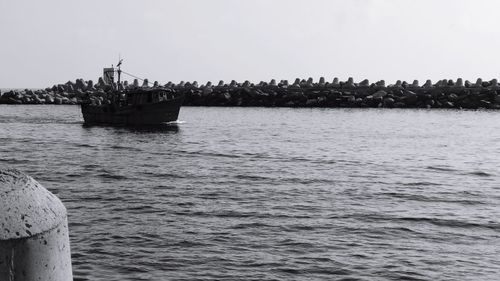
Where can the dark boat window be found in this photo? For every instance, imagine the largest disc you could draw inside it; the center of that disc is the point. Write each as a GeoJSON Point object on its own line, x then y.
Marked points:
{"type": "Point", "coordinates": [150, 97]}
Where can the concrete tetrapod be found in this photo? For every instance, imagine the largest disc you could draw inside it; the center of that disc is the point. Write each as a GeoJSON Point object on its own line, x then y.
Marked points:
{"type": "Point", "coordinates": [34, 241]}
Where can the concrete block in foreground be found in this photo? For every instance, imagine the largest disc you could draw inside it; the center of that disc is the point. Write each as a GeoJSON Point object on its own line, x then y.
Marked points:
{"type": "Point", "coordinates": [34, 241]}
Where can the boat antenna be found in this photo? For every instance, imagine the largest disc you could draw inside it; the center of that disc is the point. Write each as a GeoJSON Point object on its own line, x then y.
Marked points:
{"type": "Point", "coordinates": [120, 60]}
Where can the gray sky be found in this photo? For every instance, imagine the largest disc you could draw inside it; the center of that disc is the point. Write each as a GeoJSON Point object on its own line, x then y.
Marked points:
{"type": "Point", "coordinates": [53, 41]}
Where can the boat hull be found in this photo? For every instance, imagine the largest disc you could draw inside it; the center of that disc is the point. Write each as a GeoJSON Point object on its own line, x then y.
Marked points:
{"type": "Point", "coordinates": [133, 115]}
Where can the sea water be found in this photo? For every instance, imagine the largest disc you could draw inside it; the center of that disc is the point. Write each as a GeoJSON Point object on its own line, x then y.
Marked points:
{"type": "Point", "coordinates": [271, 193]}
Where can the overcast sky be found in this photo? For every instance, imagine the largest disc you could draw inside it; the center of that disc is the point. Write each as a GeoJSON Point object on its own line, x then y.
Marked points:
{"type": "Point", "coordinates": [53, 41]}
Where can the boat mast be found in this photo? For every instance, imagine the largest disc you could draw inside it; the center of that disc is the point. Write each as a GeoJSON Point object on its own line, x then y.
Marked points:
{"type": "Point", "coordinates": [119, 71]}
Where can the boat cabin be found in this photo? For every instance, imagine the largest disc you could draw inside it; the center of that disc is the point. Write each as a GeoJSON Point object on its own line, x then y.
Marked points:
{"type": "Point", "coordinates": [136, 97]}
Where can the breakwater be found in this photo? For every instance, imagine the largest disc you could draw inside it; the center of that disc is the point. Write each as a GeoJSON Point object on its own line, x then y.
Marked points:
{"type": "Point", "coordinates": [301, 93]}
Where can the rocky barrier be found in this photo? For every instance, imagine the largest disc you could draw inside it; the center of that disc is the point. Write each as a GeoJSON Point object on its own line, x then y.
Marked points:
{"type": "Point", "coordinates": [301, 93]}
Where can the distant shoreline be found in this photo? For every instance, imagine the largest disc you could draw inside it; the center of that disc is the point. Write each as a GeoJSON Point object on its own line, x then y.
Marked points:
{"type": "Point", "coordinates": [3, 90]}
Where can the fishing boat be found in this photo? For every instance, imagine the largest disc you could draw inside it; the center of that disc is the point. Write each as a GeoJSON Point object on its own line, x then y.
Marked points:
{"type": "Point", "coordinates": [132, 106]}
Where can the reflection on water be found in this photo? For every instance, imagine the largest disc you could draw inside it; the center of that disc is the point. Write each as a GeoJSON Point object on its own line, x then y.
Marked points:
{"type": "Point", "coordinates": [159, 128]}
